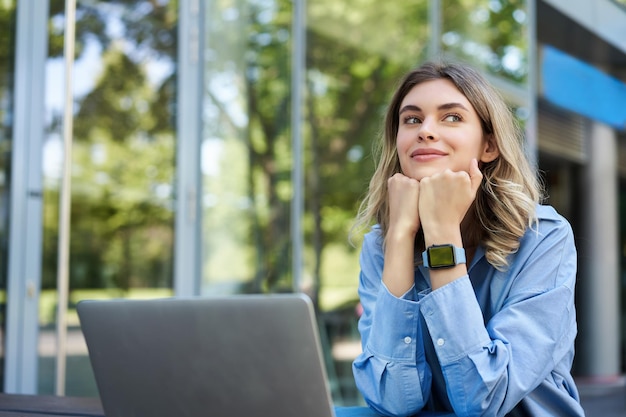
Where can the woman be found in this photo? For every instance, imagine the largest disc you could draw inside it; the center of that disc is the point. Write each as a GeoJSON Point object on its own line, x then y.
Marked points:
{"type": "Point", "coordinates": [467, 282]}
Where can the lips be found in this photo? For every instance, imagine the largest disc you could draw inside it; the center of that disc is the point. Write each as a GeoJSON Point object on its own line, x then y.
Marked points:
{"type": "Point", "coordinates": [426, 152]}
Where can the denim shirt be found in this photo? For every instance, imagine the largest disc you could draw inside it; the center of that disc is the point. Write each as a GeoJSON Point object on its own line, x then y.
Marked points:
{"type": "Point", "coordinates": [491, 343]}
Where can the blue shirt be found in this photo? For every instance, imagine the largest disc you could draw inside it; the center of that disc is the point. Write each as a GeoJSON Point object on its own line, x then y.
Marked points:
{"type": "Point", "coordinates": [491, 343]}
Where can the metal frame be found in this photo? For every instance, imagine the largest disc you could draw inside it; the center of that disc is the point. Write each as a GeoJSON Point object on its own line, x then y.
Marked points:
{"type": "Point", "coordinates": [298, 74]}
{"type": "Point", "coordinates": [188, 222]}
{"type": "Point", "coordinates": [25, 232]}
{"type": "Point", "coordinates": [65, 199]}
{"type": "Point", "coordinates": [532, 128]}
{"type": "Point", "coordinates": [434, 17]}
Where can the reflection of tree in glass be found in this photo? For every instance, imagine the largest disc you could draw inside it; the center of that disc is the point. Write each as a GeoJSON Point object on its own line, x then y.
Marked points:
{"type": "Point", "coordinates": [356, 52]}
{"type": "Point", "coordinates": [7, 63]}
{"type": "Point", "coordinates": [492, 35]}
{"type": "Point", "coordinates": [269, 99]}
{"type": "Point", "coordinates": [247, 145]}
{"type": "Point", "coordinates": [122, 221]}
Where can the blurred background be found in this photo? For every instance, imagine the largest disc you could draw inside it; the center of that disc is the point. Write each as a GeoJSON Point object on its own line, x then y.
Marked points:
{"type": "Point", "coordinates": [223, 146]}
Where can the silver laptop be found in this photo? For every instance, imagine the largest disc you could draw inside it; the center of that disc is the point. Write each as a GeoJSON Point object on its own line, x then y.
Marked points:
{"type": "Point", "coordinates": [238, 356]}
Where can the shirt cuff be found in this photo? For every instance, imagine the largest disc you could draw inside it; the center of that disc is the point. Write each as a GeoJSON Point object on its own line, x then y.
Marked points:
{"type": "Point", "coordinates": [454, 320]}
{"type": "Point", "coordinates": [395, 325]}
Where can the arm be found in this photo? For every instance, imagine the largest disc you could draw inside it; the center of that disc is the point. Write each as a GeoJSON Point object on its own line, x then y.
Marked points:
{"type": "Point", "coordinates": [391, 373]}
{"type": "Point", "coordinates": [490, 368]}
{"type": "Point", "coordinates": [443, 203]}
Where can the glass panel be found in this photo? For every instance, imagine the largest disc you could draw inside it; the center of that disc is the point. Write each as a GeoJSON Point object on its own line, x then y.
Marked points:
{"type": "Point", "coordinates": [7, 65]}
{"type": "Point", "coordinates": [490, 34]}
{"type": "Point", "coordinates": [122, 220]}
{"type": "Point", "coordinates": [246, 147]}
{"type": "Point", "coordinates": [357, 50]}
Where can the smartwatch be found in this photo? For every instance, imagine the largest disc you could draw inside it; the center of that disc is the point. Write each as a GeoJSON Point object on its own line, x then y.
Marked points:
{"type": "Point", "coordinates": [443, 256]}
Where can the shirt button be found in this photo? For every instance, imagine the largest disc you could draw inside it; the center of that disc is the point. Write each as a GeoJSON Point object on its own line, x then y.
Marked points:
{"type": "Point", "coordinates": [440, 342]}
{"type": "Point", "coordinates": [407, 340]}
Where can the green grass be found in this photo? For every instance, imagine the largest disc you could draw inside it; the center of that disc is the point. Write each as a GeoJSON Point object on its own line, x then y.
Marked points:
{"type": "Point", "coordinates": [48, 300]}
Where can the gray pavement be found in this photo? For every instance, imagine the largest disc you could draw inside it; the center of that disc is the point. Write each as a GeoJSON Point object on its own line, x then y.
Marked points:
{"type": "Point", "coordinates": [603, 399]}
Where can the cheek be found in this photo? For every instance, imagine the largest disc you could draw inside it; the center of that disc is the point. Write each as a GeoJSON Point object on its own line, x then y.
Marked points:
{"type": "Point", "coordinates": [472, 144]}
{"type": "Point", "coordinates": [401, 142]}
{"type": "Point", "coordinates": [402, 147]}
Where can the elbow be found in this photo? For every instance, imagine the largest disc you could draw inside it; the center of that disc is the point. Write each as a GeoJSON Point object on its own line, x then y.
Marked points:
{"type": "Point", "coordinates": [386, 391]}
{"type": "Point", "coordinates": [390, 409]}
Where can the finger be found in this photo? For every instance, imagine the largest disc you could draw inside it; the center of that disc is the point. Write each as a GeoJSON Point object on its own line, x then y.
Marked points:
{"type": "Point", "coordinates": [476, 176]}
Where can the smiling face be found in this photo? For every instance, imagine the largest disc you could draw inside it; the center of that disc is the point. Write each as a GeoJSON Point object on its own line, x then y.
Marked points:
{"type": "Point", "coordinates": [439, 129]}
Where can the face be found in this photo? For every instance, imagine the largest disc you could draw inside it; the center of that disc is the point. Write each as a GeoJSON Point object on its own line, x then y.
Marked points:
{"type": "Point", "coordinates": [438, 130]}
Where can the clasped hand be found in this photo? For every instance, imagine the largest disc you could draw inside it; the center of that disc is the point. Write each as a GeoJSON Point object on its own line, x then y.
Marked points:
{"type": "Point", "coordinates": [437, 203]}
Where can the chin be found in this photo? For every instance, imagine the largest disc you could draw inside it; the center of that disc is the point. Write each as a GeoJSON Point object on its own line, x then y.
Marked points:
{"type": "Point", "coordinates": [422, 173]}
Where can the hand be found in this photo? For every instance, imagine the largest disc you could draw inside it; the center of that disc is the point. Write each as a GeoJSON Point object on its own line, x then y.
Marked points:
{"type": "Point", "coordinates": [444, 200]}
{"type": "Point", "coordinates": [398, 270]}
{"type": "Point", "coordinates": [403, 200]}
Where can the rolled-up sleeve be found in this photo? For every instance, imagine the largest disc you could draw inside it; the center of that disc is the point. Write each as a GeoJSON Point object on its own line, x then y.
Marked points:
{"type": "Point", "coordinates": [391, 373]}
{"type": "Point", "coordinates": [500, 337]}
{"type": "Point", "coordinates": [490, 368]}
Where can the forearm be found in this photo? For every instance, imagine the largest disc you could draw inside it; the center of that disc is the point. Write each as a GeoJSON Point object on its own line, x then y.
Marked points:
{"type": "Point", "coordinates": [441, 235]}
{"type": "Point", "coordinates": [489, 369]}
{"type": "Point", "coordinates": [392, 373]}
{"type": "Point", "coordinates": [399, 266]}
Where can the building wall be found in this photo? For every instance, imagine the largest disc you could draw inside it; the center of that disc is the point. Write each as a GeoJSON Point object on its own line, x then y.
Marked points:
{"type": "Point", "coordinates": [582, 116]}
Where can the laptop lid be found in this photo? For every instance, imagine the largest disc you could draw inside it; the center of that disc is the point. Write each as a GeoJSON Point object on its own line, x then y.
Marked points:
{"type": "Point", "coordinates": [246, 355]}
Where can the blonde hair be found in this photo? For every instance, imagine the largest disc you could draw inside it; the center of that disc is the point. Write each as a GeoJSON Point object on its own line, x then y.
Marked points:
{"type": "Point", "coordinates": [505, 203]}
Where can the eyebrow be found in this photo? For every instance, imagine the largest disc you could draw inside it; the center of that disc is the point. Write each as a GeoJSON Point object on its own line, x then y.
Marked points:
{"type": "Point", "coordinates": [446, 106]}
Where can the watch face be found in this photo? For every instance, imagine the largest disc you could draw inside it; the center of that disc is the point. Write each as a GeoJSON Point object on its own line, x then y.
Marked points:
{"type": "Point", "coordinates": [441, 256]}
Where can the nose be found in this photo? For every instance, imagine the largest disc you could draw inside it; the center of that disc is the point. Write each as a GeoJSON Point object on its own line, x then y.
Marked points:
{"type": "Point", "coordinates": [427, 130]}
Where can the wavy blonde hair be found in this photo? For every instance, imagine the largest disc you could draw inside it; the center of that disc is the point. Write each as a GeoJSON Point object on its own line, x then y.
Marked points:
{"type": "Point", "coordinates": [505, 203]}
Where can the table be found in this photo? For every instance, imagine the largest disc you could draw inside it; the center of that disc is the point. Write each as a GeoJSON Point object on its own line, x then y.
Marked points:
{"type": "Point", "coordinates": [16, 405]}
{"type": "Point", "coordinates": [366, 412]}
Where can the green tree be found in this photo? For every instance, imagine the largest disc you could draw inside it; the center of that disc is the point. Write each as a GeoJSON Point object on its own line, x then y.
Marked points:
{"type": "Point", "coordinates": [493, 35]}
{"type": "Point", "coordinates": [356, 53]}
{"type": "Point", "coordinates": [123, 157]}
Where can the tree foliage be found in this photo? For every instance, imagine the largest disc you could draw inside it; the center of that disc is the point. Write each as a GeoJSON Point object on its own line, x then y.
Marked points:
{"type": "Point", "coordinates": [7, 63]}
{"type": "Point", "coordinates": [356, 50]}
{"type": "Point", "coordinates": [492, 35]}
{"type": "Point", "coordinates": [356, 53]}
{"type": "Point", "coordinates": [124, 147]}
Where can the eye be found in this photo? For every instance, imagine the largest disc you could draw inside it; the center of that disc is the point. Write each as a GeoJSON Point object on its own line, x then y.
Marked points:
{"type": "Point", "coordinates": [452, 117]}
{"type": "Point", "coordinates": [411, 120]}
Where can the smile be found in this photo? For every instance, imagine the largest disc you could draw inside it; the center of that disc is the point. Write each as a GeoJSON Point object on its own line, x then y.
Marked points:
{"type": "Point", "coordinates": [425, 155]}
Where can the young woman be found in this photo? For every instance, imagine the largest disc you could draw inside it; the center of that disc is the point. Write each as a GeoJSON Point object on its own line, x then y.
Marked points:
{"type": "Point", "coordinates": [467, 282]}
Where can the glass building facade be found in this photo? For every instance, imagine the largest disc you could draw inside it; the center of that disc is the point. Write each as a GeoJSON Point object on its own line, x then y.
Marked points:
{"type": "Point", "coordinates": [219, 147]}
{"type": "Point", "coordinates": [7, 88]}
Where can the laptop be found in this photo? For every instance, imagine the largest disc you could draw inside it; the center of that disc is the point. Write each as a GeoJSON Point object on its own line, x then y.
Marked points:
{"type": "Point", "coordinates": [236, 356]}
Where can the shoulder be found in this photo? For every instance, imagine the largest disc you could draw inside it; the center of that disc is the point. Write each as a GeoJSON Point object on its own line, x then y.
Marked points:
{"type": "Point", "coordinates": [547, 212]}
{"type": "Point", "coordinates": [546, 257]}
{"type": "Point", "coordinates": [549, 221]}
{"type": "Point", "coordinates": [372, 248]}
{"type": "Point", "coordinates": [550, 233]}
{"type": "Point", "coordinates": [373, 239]}
{"type": "Point", "coordinates": [373, 235]}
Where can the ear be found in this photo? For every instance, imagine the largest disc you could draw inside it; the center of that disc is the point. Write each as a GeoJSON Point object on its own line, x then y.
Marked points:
{"type": "Point", "coordinates": [490, 150]}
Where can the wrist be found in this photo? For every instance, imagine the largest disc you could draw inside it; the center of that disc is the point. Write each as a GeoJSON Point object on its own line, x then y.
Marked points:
{"type": "Point", "coordinates": [442, 236]}
{"type": "Point", "coordinates": [443, 256]}
{"type": "Point", "coordinates": [400, 235]}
